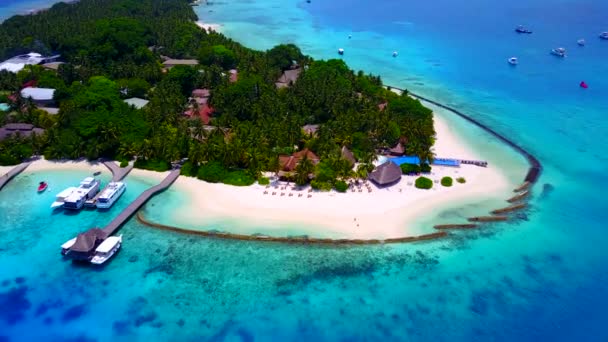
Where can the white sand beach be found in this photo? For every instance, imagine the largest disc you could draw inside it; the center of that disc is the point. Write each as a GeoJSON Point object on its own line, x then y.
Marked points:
{"type": "Point", "coordinates": [381, 213]}
{"type": "Point", "coordinates": [209, 26]}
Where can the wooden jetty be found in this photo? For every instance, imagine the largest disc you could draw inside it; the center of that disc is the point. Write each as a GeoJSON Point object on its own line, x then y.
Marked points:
{"type": "Point", "coordinates": [474, 162]}
{"type": "Point", "coordinates": [12, 173]}
{"type": "Point", "coordinates": [522, 187]}
{"type": "Point", "coordinates": [139, 201]}
{"type": "Point", "coordinates": [510, 208]}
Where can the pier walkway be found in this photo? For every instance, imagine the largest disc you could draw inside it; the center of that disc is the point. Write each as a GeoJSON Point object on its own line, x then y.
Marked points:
{"type": "Point", "coordinates": [12, 173]}
{"type": "Point", "coordinates": [118, 173]}
{"type": "Point", "coordinates": [139, 201]}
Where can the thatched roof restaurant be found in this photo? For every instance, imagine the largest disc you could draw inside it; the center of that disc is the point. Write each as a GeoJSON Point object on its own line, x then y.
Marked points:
{"type": "Point", "coordinates": [21, 129]}
{"type": "Point", "coordinates": [386, 174]}
{"type": "Point", "coordinates": [346, 154]}
{"type": "Point", "coordinates": [289, 163]}
{"type": "Point", "coordinates": [86, 243]}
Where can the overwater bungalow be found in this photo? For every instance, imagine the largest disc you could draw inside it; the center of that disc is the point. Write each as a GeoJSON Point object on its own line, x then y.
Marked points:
{"type": "Point", "coordinates": [386, 174]}
{"type": "Point", "coordinates": [85, 244]}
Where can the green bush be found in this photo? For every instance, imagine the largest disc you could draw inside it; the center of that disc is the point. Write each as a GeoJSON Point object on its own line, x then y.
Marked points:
{"type": "Point", "coordinates": [341, 186]}
{"type": "Point", "coordinates": [410, 168]}
{"type": "Point", "coordinates": [424, 183]}
{"type": "Point", "coordinates": [446, 181]}
{"type": "Point", "coordinates": [212, 172]}
{"type": "Point", "coordinates": [154, 165]}
{"type": "Point", "coordinates": [238, 178]}
{"type": "Point", "coordinates": [124, 163]}
{"type": "Point", "coordinates": [461, 180]}
{"type": "Point", "coordinates": [189, 169]}
{"type": "Point", "coordinates": [425, 168]}
{"type": "Point", "coordinates": [323, 186]}
{"type": "Point", "coordinates": [263, 181]}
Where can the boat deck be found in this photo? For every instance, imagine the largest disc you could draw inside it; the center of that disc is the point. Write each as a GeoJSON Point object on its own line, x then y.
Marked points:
{"type": "Point", "coordinates": [118, 173]}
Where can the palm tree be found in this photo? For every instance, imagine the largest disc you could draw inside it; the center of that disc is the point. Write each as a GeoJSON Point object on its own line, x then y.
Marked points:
{"type": "Point", "coordinates": [303, 170]}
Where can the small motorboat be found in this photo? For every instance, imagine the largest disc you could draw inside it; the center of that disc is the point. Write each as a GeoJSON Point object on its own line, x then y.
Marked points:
{"type": "Point", "coordinates": [96, 173]}
{"type": "Point", "coordinates": [584, 85]}
{"type": "Point", "coordinates": [42, 186]}
{"type": "Point", "coordinates": [106, 249]}
{"type": "Point", "coordinates": [350, 36]}
{"type": "Point", "coordinates": [580, 42]}
{"type": "Point", "coordinates": [522, 29]}
{"type": "Point", "coordinates": [395, 53]}
{"type": "Point", "coordinates": [340, 51]}
{"type": "Point", "coordinates": [604, 35]}
{"type": "Point", "coordinates": [512, 60]}
{"type": "Point", "coordinates": [560, 52]}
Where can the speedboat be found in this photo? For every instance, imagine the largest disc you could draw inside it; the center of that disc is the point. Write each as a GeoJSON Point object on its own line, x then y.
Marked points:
{"type": "Point", "coordinates": [89, 187]}
{"type": "Point", "coordinates": [42, 186]}
{"type": "Point", "coordinates": [340, 51]}
{"type": "Point", "coordinates": [110, 194]}
{"type": "Point", "coordinates": [512, 60]}
{"type": "Point", "coordinates": [522, 29]}
{"type": "Point", "coordinates": [106, 249]}
{"type": "Point", "coordinates": [584, 85]}
{"type": "Point", "coordinates": [560, 52]}
{"type": "Point", "coordinates": [65, 248]}
{"type": "Point", "coordinates": [581, 42]}
{"type": "Point", "coordinates": [604, 35]}
{"type": "Point", "coordinates": [60, 197]}
{"type": "Point", "coordinates": [395, 53]}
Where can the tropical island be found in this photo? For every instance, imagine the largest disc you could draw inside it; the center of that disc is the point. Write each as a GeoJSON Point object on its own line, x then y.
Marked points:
{"type": "Point", "coordinates": [140, 81]}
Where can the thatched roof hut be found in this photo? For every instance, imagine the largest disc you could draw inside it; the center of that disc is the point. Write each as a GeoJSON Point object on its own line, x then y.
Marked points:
{"type": "Point", "coordinates": [86, 243]}
{"type": "Point", "coordinates": [385, 174]}
{"type": "Point", "coordinates": [398, 150]}
{"type": "Point", "coordinates": [289, 163]}
{"type": "Point", "coordinates": [346, 154]}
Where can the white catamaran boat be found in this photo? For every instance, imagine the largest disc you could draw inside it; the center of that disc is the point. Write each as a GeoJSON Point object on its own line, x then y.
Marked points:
{"type": "Point", "coordinates": [110, 194]}
{"type": "Point", "coordinates": [89, 187]}
{"type": "Point", "coordinates": [106, 249]}
{"type": "Point", "coordinates": [65, 248]}
{"type": "Point", "coordinates": [60, 197]}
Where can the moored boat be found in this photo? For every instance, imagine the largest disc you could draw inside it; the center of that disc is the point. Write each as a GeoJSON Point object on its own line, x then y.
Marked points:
{"type": "Point", "coordinates": [60, 197]}
{"type": "Point", "coordinates": [513, 60]}
{"type": "Point", "coordinates": [65, 248]}
{"type": "Point", "coordinates": [110, 194]}
{"type": "Point", "coordinates": [106, 249]}
{"type": "Point", "coordinates": [560, 52]}
{"type": "Point", "coordinates": [395, 53]}
{"type": "Point", "coordinates": [604, 35]}
{"type": "Point", "coordinates": [89, 187]}
{"type": "Point", "coordinates": [581, 42]}
{"type": "Point", "coordinates": [340, 51]}
{"type": "Point", "coordinates": [522, 29]}
{"type": "Point", "coordinates": [42, 186]}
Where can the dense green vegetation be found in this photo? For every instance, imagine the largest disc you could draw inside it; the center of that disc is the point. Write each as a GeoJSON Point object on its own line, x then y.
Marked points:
{"type": "Point", "coordinates": [425, 168]}
{"type": "Point", "coordinates": [461, 180]}
{"type": "Point", "coordinates": [446, 181]}
{"type": "Point", "coordinates": [424, 183]}
{"type": "Point", "coordinates": [114, 49]}
{"type": "Point", "coordinates": [408, 169]}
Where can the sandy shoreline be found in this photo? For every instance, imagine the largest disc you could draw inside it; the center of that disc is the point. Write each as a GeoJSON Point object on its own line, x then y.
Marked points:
{"type": "Point", "coordinates": [382, 213]}
{"type": "Point", "coordinates": [208, 26]}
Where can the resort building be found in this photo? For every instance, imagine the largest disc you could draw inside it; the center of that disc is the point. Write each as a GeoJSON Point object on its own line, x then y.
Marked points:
{"type": "Point", "coordinates": [234, 75]}
{"type": "Point", "coordinates": [19, 129]}
{"type": "Point", "coordinates": [17, 63]}
{"type": "Point", "coordinates": [40, 96]}
{"type": "Point", "coordinates": [288, 78]}
{"type": "Point", "coordinates": [52, 65]}
{"type": "Point", "coordinates": [199, 106]}
{"type": "Point", "coordinates": [386, 174]}
{"type": "Point", "coordinates": [201, 96]}
{"type": "Point", "coordinates": [289, 163]}
{"type": "Point", "coordinates": [398, 150]}
{"type": "Point", "coordinates": [136, 102]}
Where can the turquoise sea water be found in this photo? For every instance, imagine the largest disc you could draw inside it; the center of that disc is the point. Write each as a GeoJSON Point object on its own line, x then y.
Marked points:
{"type": "Point", "coordinates": [542, 277]}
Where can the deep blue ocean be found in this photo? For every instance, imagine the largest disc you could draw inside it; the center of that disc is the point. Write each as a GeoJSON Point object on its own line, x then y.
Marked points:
{"type": "Point", "coordinates": [541, 278]}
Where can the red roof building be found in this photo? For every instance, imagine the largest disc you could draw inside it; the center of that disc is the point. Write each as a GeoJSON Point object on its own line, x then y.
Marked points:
{"type": "Point", "coordinates": [289, 163]}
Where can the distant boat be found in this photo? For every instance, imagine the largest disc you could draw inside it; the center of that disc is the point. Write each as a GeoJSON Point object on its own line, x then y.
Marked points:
{"type": "Point", "coordinates": [340, 51]}
{"type": "Point", "coordinates": [395, 53]}
{"type": "Point", "coordinates": [581, 42]}
{"type": "Point", "coordinates": [96, 173]}
{"type": "Point", "coordinates": [583, 85]}
{"type": "Point", "coordinates": [106, 249]}
{"type": "Point", "coordinates": [522, 29]}
{"type": "Point", "coordinates": [604, 35]}
{"type": "Point", "coordinates": [560, 52]}
{"type": "Point", "coordinates": [42, 186]}
{"type": "Point", "coordinates": [513, 60]}
{"type": "Point", "coordinates": [350, 36]}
